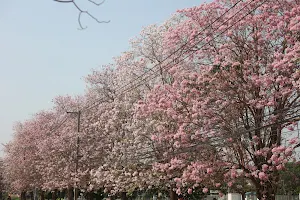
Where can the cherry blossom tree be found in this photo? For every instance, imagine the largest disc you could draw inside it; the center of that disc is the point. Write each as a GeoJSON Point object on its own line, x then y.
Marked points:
{"type": "Point", "coordinates": [235, 92]}
{"type": "Point", "coordinates": [121, 169]}
{"type": "Point", "coordinates": [22, 157]}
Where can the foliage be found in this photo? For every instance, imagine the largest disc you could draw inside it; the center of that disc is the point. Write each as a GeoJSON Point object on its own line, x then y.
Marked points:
{"type": "Point", "coordinates": [290, 179]}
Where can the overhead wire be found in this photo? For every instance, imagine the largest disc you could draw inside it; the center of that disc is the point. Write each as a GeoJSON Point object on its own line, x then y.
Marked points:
{"type": "Point", "coordinates": [237, 135]}
{"type": "Point", "coordinates": [177, 50]}
{"type": "Point", "coordinates": [142, 80]}
{"type": "Point", "coordinates": [187, 42]}
{"type": "Point", "coordinates": [192, 52]}
{"type": "Point", "coordinates": [58, 125]}
{"type": "Point", "coordinates": [279, 111]}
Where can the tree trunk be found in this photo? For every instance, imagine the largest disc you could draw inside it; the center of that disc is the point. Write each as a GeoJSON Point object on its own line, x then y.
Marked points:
{"type": "Point", "coordinates": [49, 195]}
{"type": "Point", "coordinates": [173, 195]}
{"type": "Point", "coordinates": [76, 193]}
{"type": "Point", "coordinates": [86, 195]}
{"type": "Point", "coordinates": [54, 195]}
{"type": "Point", "coordinates": [65, 194]}
{"type": "Point", "coordinates": [113, 197]}
{"type": "Point", "coordinates": [89, 196]}
{"type": "Point", "coordinates": [123, 196]}
{"type": "Point", "coordinates": [99, 195]}
{"type": "Point", "coordinates": [243, 196]}
{"type": "Point", "coordinates": [31, 195]}
{"type": "Point", "coordinates": [42, 195]}
{"type": "Point", "coordinates": [23, 195]}
{"type": "Point", "coordinates": [70, 193]}
{"type": "Point", "coordinates": [266, 192]}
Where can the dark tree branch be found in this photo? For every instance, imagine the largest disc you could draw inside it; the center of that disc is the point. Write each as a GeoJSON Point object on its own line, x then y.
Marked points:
{"type": "Point", "coordinates": [298, 145]}
{"type": "Point", "coordinates": [70, 1]}
{"type": "Point", "coordinates": [84, 11]}
{"type": "Point", "coordinates": [97, 4]}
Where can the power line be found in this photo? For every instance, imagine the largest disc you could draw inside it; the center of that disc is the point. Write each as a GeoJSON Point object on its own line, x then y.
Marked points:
{"type": "Point", "coordinates": [141, 82]}
{"type": "Point", "coordinates": [186, 43]}
{"type": "Point", "coordinates": [247, 131]}
{"type": "Point", "coordinates": [237, 136]}
{"type": "Point", "coordinates": [52, 130]}
{"type": "Point", "coordinates": [181, 47]}
{"type": "Point", "coordinates": [191, 53]}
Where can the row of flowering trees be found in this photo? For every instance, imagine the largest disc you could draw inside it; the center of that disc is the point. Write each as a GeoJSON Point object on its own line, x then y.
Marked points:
{"type": "Point", "coordinates": [199, 102]}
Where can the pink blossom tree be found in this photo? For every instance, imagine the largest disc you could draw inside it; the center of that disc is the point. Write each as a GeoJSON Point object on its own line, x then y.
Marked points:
{"type": "Point", "coordinates": [121, 169]}
{"type": "Point", "coordinates": [22, 157]}
{"type": "Point", "coordinates": [233, 94]}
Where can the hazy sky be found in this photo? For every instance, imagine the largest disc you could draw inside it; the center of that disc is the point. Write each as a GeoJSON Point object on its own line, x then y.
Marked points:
{"type": "Point", "coordinates": [42, 54]}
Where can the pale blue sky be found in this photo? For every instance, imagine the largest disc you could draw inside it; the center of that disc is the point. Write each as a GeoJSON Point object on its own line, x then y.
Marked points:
{"type": "Point", "coordinates": [42, 54]}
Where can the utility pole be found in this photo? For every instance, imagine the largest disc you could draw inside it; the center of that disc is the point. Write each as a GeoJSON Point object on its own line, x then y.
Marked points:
{"type": "Point", "coordinates": [77, 152]}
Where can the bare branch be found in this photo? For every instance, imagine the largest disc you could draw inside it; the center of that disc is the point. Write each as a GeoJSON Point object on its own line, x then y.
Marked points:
{"type": "Point", "coordinates": [96, 18]}
{"type": "Point", "coordinates": [69, 1]}
{"type": "Point", "coordinates": [84, 11]}
{"type": "Point", "coordinates": [79, 22]}
{"type": "Point", "coordinates": [298, 145]}
{"type": "Point", "coordinates": [76, 6]}
{"type": "Point", "coordinates": [97, 4]}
